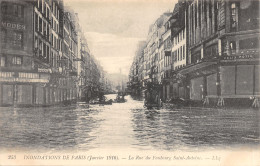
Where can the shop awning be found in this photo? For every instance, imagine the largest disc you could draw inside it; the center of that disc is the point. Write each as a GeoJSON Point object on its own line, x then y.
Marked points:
{"type": "Point", "coordinates": [196, 67]}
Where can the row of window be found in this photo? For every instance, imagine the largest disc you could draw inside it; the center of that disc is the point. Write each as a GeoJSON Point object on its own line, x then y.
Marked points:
{"type": "Point", "coordinates": [16, 60]}
{"type": "Point", "coordinates": [55, 10]}
{"type": "Point", "coordinates": [167, 61]}
{"type": "Point", "coordinates": [44, 52]}
{"type": "Point", "coordinates": [179, 54]}
{"type": "Point", "coordinates": [16, 38]}
{"type": "Point", "coordinates": [179, 37]}
{"type": "Point", "coordinates": [55, 43]}
{"type": "Point", "coordinates": [202, 13]}
{"type": "Point", "coordinates": [12, 9]}
{"type": "Point", "coordinates": [44, 9]}
{"type": "Point", "coordinates": [41, 26]}
{"type": "Point", "coordinates": [42, 6]}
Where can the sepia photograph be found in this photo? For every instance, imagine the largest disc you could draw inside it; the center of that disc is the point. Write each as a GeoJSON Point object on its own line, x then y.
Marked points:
{"type": "Point", "coordinates": [129, 82]}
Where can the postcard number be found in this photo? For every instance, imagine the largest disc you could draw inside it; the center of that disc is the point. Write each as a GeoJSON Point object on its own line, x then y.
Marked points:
{"type": "Point", "coordinates": [11, 157]}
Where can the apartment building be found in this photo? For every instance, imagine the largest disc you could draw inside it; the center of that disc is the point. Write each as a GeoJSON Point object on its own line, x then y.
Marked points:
{"type": "Point", "coordinates": [39, 54]}
{"type": "Point", "coordinates": [223, 55]}
{"type": "Point", "coordinates": [178, 49]}
{"type": "Point", "coordinates": [18, 76]}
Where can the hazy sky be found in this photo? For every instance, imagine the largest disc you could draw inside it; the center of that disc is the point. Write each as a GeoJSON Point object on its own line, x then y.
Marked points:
{"type": "Point", "coordinates": [114, 27]}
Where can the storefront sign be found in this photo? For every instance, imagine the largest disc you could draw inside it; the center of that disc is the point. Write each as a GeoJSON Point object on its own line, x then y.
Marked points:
{"type": "Point", "coordinates": [13, 26]}
{"type": "Point", "coordinates": [28, 80]}
{"type": "Point", "coordinates": [239, 57]}
{"type": "Point", "coordinates": [41, 70]}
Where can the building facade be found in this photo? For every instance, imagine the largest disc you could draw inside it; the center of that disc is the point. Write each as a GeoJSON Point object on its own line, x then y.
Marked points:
{"type": "Point", "coordinates": [41, 54]}
{"type": "Point", "coordinates": [18, 77]}
{"type": "Point", "coordinates": [213, 56]}
{"type": "Point", "coordinates": [223, 52]}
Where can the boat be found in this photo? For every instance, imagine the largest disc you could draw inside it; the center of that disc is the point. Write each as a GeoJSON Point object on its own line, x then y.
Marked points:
{"type": "Point", "coordinates": [102, 100]}
{"type": "Point", "coordinates": [105, 102]}
{"type": "Point", "coordinates": [120, 98]}
{"type": "Point", "coordinates": [82, 105]}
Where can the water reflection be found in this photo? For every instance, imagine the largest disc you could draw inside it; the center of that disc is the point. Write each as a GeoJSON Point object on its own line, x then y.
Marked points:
{"type": "Point", "coordinates": [126, 125]}
{"type": "Point", "coordinates": [46, 128]}
{"type": "Point", "coordinates": [196, 128]}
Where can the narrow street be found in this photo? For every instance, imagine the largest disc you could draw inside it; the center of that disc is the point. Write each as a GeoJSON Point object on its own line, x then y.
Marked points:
{"type": "Point", "coordinates": [126, 125]}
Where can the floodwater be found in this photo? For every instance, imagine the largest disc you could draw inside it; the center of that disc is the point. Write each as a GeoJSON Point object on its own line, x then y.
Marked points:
{"type": "Point", "coordinates": [127, 125]}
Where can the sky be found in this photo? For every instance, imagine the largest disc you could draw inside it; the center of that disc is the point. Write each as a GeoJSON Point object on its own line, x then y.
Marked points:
{"type": "Point", "coordinates": [114, 27]}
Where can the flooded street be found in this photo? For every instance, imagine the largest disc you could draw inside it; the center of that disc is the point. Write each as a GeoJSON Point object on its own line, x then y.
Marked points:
{"type": "Point", "coordinates": [127, 125]}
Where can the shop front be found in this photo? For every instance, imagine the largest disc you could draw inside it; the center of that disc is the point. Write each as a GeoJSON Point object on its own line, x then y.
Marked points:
{"type": "Point", "coordinates": [239, 79]}
{"type": "Point", "coordinates": [200, 81]}
{"type": "Point", "coordinates": [21, 89]}
{"type": "Point", "coordinates": [226, 81]}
